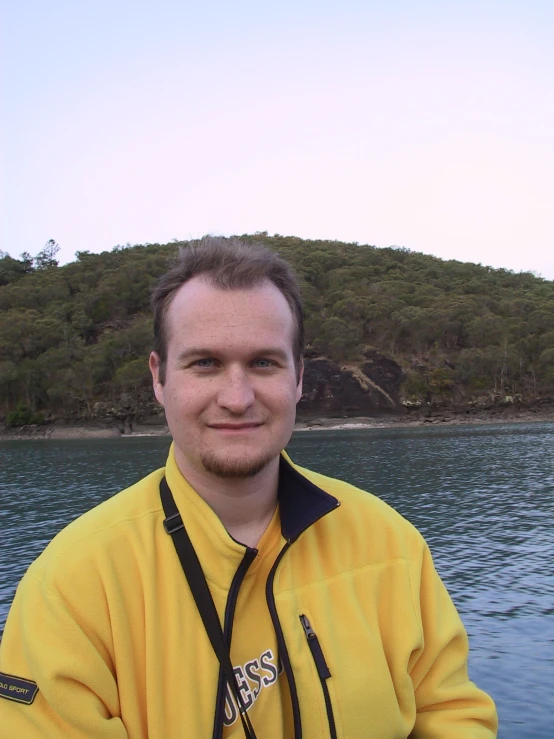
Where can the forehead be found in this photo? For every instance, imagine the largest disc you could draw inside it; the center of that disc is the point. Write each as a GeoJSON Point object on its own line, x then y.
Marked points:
{"type": "Point", "coordinates": [201, 312]}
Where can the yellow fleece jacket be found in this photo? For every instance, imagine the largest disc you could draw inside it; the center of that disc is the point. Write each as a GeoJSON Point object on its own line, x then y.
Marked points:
{"type": "Point", "coordinates": [104, 640]}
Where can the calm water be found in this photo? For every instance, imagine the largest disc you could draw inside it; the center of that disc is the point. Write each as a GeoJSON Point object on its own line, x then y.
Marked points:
{"type": "Point", "coordinates": [482, 496]}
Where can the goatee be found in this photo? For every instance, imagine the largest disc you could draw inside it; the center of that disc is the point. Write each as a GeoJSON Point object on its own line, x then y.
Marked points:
{"type": "Point", "coordinates": [234, 469]}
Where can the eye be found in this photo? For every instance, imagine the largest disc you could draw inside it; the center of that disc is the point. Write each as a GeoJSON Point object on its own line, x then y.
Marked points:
{"type": "Point", "coordinates": [205, 363]}
{"type": "Point", "coordinates": [263, 363]}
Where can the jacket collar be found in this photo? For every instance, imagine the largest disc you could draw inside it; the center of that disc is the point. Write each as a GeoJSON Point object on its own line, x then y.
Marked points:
{"type": "Point", "coordinates": [301, 503]}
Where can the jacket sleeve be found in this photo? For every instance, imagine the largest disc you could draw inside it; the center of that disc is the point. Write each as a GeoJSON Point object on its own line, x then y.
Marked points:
{"type": "Point", "coordinates": [46, 642]}
{"type": "Point", "coordinates": [448, 704]}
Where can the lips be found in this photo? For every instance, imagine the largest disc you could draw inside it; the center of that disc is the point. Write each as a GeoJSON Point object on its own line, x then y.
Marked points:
{"type": "Point", "coordinates": [234, 426]}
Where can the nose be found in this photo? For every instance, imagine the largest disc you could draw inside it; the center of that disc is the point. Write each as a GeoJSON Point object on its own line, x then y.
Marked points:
{"type": "Point", "coordinates": [236, 393]}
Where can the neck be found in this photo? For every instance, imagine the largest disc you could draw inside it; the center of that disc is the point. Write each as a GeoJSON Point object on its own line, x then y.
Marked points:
{"type": "Point", "coordinates": [245, 506]}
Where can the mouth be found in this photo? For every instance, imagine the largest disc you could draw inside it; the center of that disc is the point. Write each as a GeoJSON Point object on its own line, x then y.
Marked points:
{"type": "Point", "coordinates": [235, 427]}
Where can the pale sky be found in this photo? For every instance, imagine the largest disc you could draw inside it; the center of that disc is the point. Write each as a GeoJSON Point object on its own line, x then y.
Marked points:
{"type": "Point", "coordinates": [428, 125]}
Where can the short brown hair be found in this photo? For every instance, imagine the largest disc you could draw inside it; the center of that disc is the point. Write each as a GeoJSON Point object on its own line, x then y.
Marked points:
{"type": "Point", "coordinates": [230, 264]}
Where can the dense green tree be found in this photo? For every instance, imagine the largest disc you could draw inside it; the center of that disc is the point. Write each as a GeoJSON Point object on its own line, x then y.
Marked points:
{"type": "Point", "coordinates": [46, 258]}
{"type": "Point", "coordinates": [75, 335]}
{"type": "Point", "coordinates": [338, 339]}
{"type": "Point", "coordinates": [12, 269]}
{"type": "Point", "coordinates": [133, 376]}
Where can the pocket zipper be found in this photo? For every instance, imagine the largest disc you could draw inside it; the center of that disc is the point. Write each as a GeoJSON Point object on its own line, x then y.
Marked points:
{"type": "Point", "coordinates": [322, 670]}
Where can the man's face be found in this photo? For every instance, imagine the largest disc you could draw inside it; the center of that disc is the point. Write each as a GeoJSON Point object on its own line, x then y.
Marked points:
{"type": "Point", "coordinates": [230, 388]}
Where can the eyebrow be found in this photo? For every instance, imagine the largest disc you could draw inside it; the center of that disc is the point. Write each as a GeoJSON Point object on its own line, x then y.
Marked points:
{"type": "Point", "coordinates": [198, 351]}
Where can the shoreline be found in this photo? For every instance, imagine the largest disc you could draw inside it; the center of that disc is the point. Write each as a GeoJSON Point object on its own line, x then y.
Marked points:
{"type": "Point", "coordinates": [93, 430]}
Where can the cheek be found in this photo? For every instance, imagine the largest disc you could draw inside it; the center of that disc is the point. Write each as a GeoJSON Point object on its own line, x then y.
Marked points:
{"type": "Point", "coordinates": [189, 398]}
{"type": "Point", "coordinates": [281, 397]}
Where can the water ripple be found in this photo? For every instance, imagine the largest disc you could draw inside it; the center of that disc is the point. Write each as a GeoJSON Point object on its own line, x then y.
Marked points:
{"type": "Point", "coordinates": [482, 496]}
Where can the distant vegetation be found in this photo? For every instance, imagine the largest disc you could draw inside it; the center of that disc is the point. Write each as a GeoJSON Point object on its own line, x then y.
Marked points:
{"type": "Point", "coordinates": [74, 335]}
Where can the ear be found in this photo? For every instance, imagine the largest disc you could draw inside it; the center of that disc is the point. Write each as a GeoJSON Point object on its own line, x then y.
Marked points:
{"type": "Point", "coordinates": [299, 386]}
{"type": "Point", "coordinates": [154, 364]}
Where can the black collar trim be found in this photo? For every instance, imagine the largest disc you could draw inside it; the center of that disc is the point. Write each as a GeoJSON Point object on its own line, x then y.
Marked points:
{"type": "Point", "coordinates": [301, 503]}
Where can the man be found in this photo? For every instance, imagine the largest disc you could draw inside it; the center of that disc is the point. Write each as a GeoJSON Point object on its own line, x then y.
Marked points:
{"type": "Point", "coordinates": [330, 620]}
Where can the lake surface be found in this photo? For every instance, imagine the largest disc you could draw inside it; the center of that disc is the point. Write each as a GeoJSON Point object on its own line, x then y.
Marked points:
{"type": "Point", "coordinates": [483, 496]}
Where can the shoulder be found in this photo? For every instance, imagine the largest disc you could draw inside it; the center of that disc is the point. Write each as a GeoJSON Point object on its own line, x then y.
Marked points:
{"type": "Point", "coordinates": [354, 498]}
{"type": "Point", "coordinates": [125, 516]}
{"type": "Point", "coordinates": [364, 518]}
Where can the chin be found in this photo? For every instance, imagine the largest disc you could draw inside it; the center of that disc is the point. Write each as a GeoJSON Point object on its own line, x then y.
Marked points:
{"type": "Point", "coordinates": [237, 468]}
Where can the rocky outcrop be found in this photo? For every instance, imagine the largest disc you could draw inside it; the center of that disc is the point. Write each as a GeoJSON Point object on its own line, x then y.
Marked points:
{"type": "Point", "coordinates": [349, 390]}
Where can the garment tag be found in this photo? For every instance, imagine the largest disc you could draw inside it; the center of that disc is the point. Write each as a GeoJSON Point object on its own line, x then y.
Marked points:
{"type": "Point", "coordinates": [17, 689]}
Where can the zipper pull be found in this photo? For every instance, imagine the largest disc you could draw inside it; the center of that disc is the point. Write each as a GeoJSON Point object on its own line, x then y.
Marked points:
{"type": "Point", "coordinates": [310, 633]}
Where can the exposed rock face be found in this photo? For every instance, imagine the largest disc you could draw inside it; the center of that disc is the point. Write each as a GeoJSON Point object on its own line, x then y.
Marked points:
{"type": "Point", "coordinates": [385, 373]}
{"type": "Point", "coordinates": [331, 390]}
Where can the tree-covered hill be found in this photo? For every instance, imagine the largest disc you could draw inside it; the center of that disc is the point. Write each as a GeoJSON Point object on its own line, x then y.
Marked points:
{"type": "Point", "coordinates": [76, 335]}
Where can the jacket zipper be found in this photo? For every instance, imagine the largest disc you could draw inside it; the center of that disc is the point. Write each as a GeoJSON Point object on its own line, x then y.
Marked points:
{"type": "Point", "coordinates": [322, 670]}
{"type": "Point", "coordinates": [230, 606]}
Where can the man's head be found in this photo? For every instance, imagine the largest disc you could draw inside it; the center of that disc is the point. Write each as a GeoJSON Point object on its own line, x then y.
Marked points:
{"type": "Point", "coordinates": [227, 363]}
{"type": "Point", "coordinates": [229, 264]}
